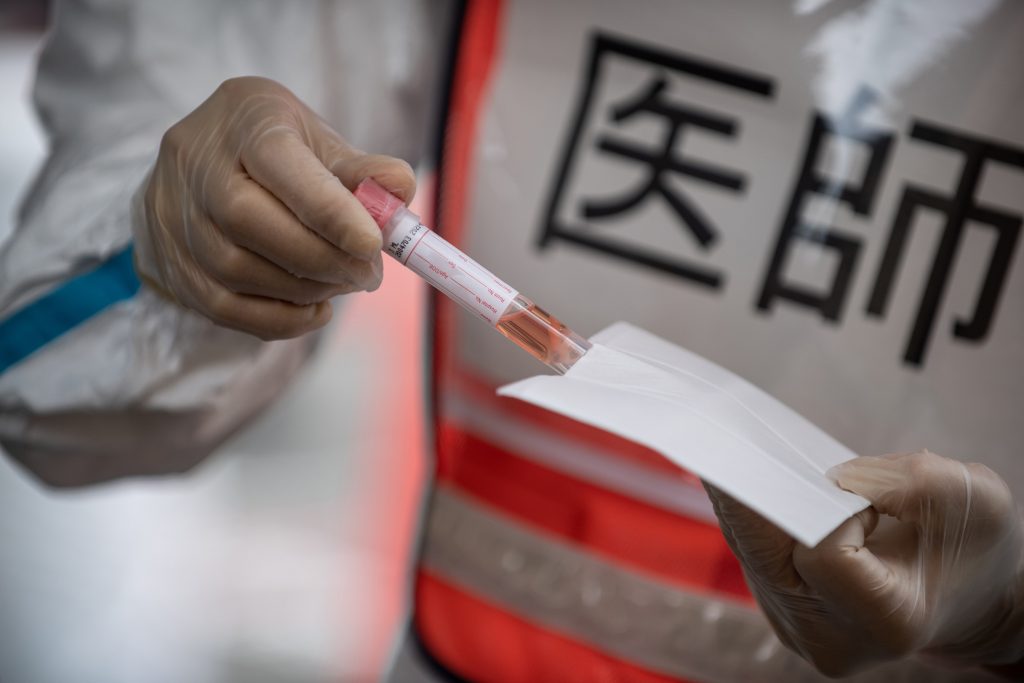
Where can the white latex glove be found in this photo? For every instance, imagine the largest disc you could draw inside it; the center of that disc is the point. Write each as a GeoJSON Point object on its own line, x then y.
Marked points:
{"type": "Point", "coordinates": [937, 569]}
{"type": "Point", "coordinates": [247, 216]}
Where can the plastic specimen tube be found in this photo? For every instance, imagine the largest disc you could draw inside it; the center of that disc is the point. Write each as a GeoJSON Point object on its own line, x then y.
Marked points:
{"type": "Point", "coordinates": [462, 279]}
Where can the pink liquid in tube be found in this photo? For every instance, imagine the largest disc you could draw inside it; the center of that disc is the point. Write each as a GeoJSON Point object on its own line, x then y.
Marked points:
{"type": "Point", "coordinates": [464, 280]}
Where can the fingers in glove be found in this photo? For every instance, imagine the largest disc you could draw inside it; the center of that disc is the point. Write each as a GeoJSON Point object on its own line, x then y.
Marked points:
{"type": "Point", "coordinates": [244, 272]}
{"type": "Point", "coordinates": [843, 571]}
{"type": "Point", "coordinates": [926, 489]}
{"type": "Point", "coordinates": [764, 550]}
{"type": "Point", "coordinates": [251, 217]}
{"type": "Point", "coordinates": [282, 163]}
{"type": "Point", "coordinates": [265, 318]}
{"type": "Point", "coordinates": [394, 175]}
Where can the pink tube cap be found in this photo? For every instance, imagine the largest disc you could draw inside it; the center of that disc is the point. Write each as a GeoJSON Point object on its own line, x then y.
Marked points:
{"type": "Point", "coordinates": [380, 203]}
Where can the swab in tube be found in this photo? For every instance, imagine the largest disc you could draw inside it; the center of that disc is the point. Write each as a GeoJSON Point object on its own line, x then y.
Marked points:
{"type": "Point", "coordinates": [462, 279]}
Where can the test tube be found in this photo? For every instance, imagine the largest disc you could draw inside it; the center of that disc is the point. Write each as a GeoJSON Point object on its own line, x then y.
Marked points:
{"type": "Point", "coordinates": [465, 281]}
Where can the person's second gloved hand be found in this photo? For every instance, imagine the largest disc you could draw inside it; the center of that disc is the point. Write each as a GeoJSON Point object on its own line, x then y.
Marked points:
{"type": "Point", "coordinates": [247, 216]}
{"type": "Point", "coordinates": [937, 569]}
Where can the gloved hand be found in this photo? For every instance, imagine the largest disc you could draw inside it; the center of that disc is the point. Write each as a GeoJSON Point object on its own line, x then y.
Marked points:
{"type": "Point", "coordinates": [247, 216]}
{"type": "Point", "coordinates": [934, 566]}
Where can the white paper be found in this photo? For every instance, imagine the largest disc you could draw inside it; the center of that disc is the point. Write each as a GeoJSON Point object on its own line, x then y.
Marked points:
{"type": "Point", "coordinates": [707, 420]}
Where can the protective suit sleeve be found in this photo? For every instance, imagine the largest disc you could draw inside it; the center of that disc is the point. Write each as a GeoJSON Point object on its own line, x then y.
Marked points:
{"type": "Point", "coordinates": [142, 385]}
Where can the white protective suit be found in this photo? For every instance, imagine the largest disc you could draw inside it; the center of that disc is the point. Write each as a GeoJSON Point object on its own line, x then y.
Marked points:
{"type": "Point", "coordinates": [146, 386]}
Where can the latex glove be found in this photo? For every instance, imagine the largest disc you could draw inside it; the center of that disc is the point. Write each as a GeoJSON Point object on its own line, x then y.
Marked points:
{"type": "Point", "coordinates": [247, 216]}
{"type": "Point", "coordinates": [940, 571]}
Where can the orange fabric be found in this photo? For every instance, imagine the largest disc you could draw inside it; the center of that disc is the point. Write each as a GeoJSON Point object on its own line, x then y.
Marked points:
{"type": "Point", "coordinates": [624, 531]}
{"type": "Point", "coordinates": [501, 648]}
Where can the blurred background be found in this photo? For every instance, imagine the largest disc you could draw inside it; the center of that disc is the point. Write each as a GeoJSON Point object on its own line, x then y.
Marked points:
{"type": "Point", "coordinates": [284, 557]}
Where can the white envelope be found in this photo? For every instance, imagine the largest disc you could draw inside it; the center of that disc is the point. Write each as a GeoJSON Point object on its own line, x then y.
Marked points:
{"type": "Point", "coordinates": [707, 420]}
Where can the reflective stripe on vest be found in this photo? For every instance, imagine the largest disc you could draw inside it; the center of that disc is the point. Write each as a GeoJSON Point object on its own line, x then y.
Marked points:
{"type": "Point", "coordinates": [635, 627]}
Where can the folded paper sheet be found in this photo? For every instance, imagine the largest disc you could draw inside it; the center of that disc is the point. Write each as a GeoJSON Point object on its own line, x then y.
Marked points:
{"type": "Point", "coordinates": [707, 420]}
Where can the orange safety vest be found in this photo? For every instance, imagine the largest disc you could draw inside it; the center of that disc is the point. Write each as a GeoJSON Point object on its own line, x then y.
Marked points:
{"type": "Point", "coordinates": [679, 166]}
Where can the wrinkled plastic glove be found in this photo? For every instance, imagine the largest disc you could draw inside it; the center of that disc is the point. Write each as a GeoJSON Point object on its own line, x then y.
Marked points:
{"type": "Point", "coordinates": [934, 566]}
{"type": "Point", "coordinates": [247, 216]}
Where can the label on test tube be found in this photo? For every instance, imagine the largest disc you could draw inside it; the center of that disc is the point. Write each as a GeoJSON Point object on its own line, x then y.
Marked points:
{"type": "Point", "coordinates": [463, 279]}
